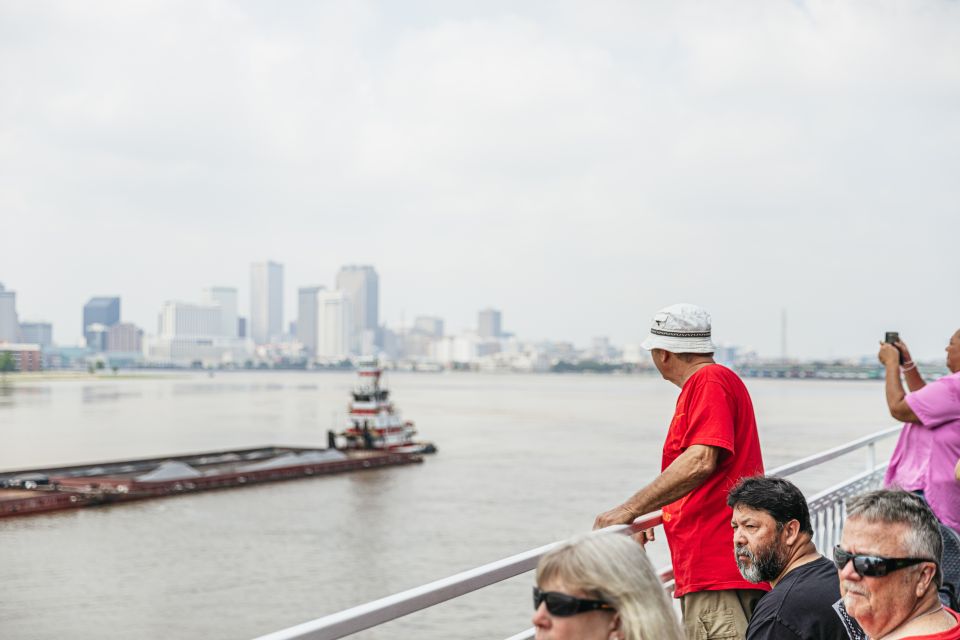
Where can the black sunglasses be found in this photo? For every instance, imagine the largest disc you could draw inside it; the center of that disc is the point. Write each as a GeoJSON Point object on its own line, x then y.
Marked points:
{"type": "Point", "coordinates": [560, 604]}
{"type": "Point", "coordinates": [873, 566]}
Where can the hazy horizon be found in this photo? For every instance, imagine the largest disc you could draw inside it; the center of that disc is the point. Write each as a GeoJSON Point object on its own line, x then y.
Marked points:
{"type": "Point", "coordinates": [577, 166]}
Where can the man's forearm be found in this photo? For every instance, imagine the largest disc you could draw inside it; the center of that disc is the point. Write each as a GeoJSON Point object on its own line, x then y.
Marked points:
{"type": "Point", "coordinates": [685, 474]}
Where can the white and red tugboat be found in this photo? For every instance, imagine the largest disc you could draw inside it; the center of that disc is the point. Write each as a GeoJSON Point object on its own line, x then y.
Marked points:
{"type": "Point", "coordinates": [373, 423]}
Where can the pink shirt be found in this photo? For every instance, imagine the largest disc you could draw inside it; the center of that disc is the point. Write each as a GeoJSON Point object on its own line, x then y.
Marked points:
{"type": "Point", "coordinates": [927, 453]}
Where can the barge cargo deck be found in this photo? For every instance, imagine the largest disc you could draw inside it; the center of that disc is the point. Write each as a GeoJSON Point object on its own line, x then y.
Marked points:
{"type": "Point", "coordinates": [30, 491]}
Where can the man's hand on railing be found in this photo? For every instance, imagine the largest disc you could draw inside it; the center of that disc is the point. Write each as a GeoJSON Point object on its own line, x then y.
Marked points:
{"type": "Point", "coordinates": [643, 536]}
{"type": "Point", "coordinates": [618, 515]}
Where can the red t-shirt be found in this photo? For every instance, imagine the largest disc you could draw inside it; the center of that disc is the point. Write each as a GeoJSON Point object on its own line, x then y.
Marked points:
{"type": "Point", "coordinates": [713, 409]}
{"type": "Point", "coordinates": [949, 634]}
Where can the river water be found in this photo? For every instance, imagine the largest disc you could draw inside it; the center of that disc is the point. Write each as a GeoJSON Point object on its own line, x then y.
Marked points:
{"type": "Point", "coordinates": [523, 460]}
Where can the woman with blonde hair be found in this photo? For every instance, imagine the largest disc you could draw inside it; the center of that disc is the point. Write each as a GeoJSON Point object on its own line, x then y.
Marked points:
{"type": "Point", "coordinates": [601, 587]}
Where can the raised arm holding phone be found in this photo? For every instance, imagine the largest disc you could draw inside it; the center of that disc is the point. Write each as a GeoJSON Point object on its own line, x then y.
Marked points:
{"type": "Point", "coordinates": [925, 460]}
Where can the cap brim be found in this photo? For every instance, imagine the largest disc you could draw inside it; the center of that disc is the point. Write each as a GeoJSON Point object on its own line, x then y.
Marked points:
{"type": "Point", "coordinates": [678, 345]}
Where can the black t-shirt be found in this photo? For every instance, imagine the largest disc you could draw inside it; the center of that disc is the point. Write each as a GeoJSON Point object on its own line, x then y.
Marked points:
{"type": "Point", "coordinates": [800, 606]}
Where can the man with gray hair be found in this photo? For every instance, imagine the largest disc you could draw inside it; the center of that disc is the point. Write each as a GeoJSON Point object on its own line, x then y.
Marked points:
{"type": "Point", "coordinates": [889, 563]}
{"type": "Point", "coordinates": [711, 443]}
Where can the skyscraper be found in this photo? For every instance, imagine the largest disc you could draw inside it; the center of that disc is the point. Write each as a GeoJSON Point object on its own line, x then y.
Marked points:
{"type": "Point", "coordinates": [429, 326]}
{"type": "Point", "coordinates": [226, 297]}
{"type": "Point", "coordinates": [9, 324]}
{"type": "Point", "coordinates": [333, 321]}
{"type": "Point", "coordinates": [361, 286]}
{"type": "Point", "coordinates": [103, 311]}
{"type": "Point", "coordinates": [307, 327]}
{"type": "Point", "coordinates": [266, 301]}
{"type": "Point", "coordinates": [488, 323]}
{"type": "Point", "coordinates": [40, 333]}
{"type": "Point", "coordinates": [186, 320]}
{"type": "Point", "coordinates": [124, 337]}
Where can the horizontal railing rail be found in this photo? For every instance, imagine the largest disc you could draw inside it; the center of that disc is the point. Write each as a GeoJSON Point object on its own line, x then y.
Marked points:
{"type": "Point", "coordinates": [826, 511]}
{"type": "Point", "coordinates": [869, 441]}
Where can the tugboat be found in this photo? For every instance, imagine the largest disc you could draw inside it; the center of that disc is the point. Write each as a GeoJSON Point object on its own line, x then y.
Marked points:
{"type": "Point", "coordinates": [373, 423]}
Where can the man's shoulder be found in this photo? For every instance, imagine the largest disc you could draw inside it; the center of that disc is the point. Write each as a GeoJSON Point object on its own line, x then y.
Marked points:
{"type": "Point", "coordinates": [717, 374]}
{"type": "Point", "coordinates": [814, 582]}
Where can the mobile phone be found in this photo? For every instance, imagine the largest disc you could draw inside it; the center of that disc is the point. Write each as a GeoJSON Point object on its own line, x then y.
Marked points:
{"type": "Point", "coordinates": [893, 337]}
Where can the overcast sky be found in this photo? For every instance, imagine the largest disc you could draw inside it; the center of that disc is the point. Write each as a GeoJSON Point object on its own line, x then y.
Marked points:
{"type": "Point", "coordinates": [577, 165]}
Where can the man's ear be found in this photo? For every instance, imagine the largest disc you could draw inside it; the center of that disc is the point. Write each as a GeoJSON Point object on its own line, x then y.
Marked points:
{"type": "Point", "coordinates": [791, 531]}
{"type": "Point", "coordinates": [925, 580]}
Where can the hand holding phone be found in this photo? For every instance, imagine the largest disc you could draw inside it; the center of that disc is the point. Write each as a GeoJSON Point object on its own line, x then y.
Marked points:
{"type": "Point", "coordinates": [893, 337]}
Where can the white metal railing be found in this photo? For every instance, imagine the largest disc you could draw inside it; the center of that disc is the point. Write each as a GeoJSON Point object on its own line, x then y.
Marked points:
{"type": "Point", "coordinates": [826, 514]}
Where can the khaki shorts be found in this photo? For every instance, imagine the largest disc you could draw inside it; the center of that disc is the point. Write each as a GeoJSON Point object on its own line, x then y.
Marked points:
{"type": "Point", "coordinates": [718, 615]}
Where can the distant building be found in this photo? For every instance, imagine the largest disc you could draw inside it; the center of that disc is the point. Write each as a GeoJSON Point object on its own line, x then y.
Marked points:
{"type": "Point", "coordinates": [96, 336]}
{"type": "Point", "coordinates": [307, 301]}
{"type": "Point", "coordinates": [40, 333]}
{"type": "Point", "coordinates": [266, 301]}
{"type": "Point", "coordinates": [361, 286]}
{"type": "Point", "coordinates": [601, 349]}
{"type": "Point", "coordinates": [104, 311]}
{"type": "Point", "coordinates": [333, 322]}
{"type": "Point", "coordinates": [188, 320]}
{"type": "Point", "coordinates": [9, 324]}
{"type": "Point", "coordinates": [26, 357]}
{"type": "Point", "coordinates": [241, 327]}
{"type": "Point", "coordinates": [465, 348]}
{"type": "Point", "coordinates": [488, 323]}
{"type": "Point", "coordinates": [124, 337]}
{"type": "Point", "coordinates": [428, 326]}
{"type": "Point", "coordinates": [633, 353]}
{"type": "Point", "coordinates": [226, 297]}
{"type": "Point", "coordinates": [191, 333]}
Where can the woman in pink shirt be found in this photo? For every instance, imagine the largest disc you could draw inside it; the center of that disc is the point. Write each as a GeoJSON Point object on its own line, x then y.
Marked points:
{"type": "Point", "coordinates": [927, 452]}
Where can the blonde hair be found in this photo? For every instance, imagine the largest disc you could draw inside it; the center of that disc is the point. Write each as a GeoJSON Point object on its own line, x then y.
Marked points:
{"type": "Point", "coordinates": [615, 569]}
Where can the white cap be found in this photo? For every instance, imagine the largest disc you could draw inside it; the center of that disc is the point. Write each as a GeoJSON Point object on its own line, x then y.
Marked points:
{"type": "Point", "coordinates": [680, 328]}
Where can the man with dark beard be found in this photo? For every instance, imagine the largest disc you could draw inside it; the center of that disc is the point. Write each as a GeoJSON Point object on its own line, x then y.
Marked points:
{"type": "Point", "coordinates": [773, 542]}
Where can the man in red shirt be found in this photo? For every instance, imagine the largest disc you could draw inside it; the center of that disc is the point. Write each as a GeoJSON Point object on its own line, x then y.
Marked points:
{"type": "Point", "coordinates": [712, 442]}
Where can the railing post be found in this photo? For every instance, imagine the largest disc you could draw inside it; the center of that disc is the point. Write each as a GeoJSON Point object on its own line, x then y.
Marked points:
{"type": "Point", "coordinates": [871, 456]}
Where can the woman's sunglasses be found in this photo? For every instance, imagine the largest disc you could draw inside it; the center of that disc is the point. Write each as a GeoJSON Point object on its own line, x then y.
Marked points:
{"type": "Point", "coordinates": [873, 566]}
{"type": "Point", "coordinates": [560, 604]}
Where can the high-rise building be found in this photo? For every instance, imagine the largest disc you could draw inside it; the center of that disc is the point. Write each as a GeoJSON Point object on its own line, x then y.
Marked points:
{"type": "Point", "coordinates": [96, 336]}
{"type": "Point", "coordinates": [428, 326]}
{"type": "Point", "coordinates": [188, 334]}
{"type": "Point", "coordinates": [488, 323]}
{"type": "Point", "coordinates": [40, 333]}
{"type": "Point", "coordinates": [124, 337]}
{"type": "Point", "coordinates": [307, 326]}
{"type": "Point", "coordinates": [361, 286]}
{"type": "Point", "coordinates": [226, 297]}
{"type": "Point", "coordinates": [333, 322]}
{"type": "Point", "coordinates": [9, 324]}
{"type": "Point", "coordinates": [266, 301]}
{"type": "Point", "coordinates": [186, 320]}
{"type": "Point", "coordinates": [103, 311]}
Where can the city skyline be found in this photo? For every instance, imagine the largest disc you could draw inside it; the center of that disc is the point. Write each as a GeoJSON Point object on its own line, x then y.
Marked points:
{"type": "Point", "coordinates": [216, 316]}
{"type": "Point", "coordinates": [576, 166]}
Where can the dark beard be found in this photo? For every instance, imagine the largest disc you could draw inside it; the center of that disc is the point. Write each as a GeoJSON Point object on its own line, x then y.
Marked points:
{"type": "Point", "coordinates": [764, 566]}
